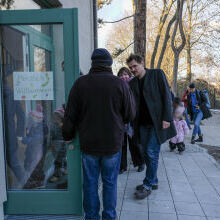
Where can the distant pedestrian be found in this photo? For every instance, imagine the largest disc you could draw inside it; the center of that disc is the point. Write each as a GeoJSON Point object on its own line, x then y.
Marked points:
{"type": "Point", "coordinates": [184, 99]}
{"type": "Point", "coordinates": [153, 124]}
{"type": "Point", "coordinates": [135, 149]}
{"type": "Point", "coordinates": [99, 105]}
{"type": "Point", "coordinates": [180, 125]}
{"type": "Point", "coordinates": [198, 111]}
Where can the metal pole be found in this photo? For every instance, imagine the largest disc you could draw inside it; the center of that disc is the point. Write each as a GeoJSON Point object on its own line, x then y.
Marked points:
{"type": "Point", "coordinates": [95, 26]}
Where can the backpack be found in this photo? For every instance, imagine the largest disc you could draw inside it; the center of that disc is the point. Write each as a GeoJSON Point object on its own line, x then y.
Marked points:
{"type": "Point", "coordinates": [206, 95]}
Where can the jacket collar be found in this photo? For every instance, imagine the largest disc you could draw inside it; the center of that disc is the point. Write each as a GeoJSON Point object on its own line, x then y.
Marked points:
{"type": "Point", "coordinates": [100, 70]}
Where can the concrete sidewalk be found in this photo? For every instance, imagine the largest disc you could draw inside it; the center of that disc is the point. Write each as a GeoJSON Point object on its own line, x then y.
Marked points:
{"type": "Point", "coordinates": [189, 188]}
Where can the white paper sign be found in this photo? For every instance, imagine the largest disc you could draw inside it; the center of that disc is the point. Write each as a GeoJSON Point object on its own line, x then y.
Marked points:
{"type": "Point", "coordinates": [33, 85]}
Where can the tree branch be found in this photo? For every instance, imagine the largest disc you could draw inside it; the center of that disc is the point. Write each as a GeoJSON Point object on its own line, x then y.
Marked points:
{"type": "Point", "coordinates": [100, 21]}
{"type": "Point", "coordinates": [119, 51]}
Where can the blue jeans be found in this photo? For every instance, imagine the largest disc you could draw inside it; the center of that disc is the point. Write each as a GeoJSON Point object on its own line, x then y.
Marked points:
{"type": "Point", "coordinates": [109, 168]}
{"type": "Point", "coordinates": [197, 118]}
{"type": "Point", "coordinates": [151, 149]}
{"type": "Point", "coordinates": [187, 118]}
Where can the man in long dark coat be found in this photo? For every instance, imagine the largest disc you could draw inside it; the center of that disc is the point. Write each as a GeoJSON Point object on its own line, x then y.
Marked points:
{"type": "Point", "coordinates": [153, 124]}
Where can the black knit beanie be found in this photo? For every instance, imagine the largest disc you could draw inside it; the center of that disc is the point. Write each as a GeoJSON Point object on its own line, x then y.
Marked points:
{"type": "Point", "coordinates": [192, 86]}
{"type": "Point", "coordinates": [101, 56]}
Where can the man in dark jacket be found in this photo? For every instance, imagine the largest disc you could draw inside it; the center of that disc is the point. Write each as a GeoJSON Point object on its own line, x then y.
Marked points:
{"type": "Point", "coordinates": [153, 122]}
{"type": "Point", "coordinates": [98, 107]}
{"type": "Point", "coordinates": [198, 111]}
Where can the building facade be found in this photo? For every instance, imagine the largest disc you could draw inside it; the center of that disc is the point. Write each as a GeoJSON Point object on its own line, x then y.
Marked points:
{"type": "Point", "coordinates": [39, 63]}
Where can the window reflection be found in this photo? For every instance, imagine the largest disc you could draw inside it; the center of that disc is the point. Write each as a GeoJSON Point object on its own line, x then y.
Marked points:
{"type": "Point", "coordinates": [36, 154]}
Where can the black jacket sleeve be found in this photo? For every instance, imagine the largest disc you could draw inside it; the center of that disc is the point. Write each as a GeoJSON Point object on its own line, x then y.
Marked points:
{"type": "Point", "coordinates": [166, 97]}
{"type": "Point", "coordinates": [128, 104]}
{"type": "Point", "coordinates": [72, 112]}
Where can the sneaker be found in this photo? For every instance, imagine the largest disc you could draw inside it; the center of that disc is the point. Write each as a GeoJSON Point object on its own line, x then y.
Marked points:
{"type": "Point", "coordinates": [141, 168]}
{"type": "Point", "coordinates": [200, 139]}
{"type": "Point", "coordinates": [140, 187]}
{"type": "Point", "coordinates": [143, 193]}
{"type": "Point", "coordinates": [193, 140]}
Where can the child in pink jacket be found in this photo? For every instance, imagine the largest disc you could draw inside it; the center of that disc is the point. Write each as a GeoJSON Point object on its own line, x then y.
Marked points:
{"type": "Point", "coordinates": [181, 126]}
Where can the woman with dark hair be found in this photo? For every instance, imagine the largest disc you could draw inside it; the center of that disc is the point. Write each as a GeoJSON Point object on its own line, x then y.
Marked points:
{"type": "Point", "coordinates": [135, 150]}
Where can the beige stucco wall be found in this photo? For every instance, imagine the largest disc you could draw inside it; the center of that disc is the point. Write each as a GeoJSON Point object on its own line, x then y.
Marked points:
{"type": "Point", "coordinates": [86, 46]}
{"type": "Point", "coordinates": [86, 40]}
{"type": "Point", "coordinates": [2, 169]}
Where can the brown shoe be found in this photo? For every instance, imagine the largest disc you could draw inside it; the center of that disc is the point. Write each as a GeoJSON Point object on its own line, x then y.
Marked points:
{"type": "Point", "coordinates": [142, 194]}
{"type": "Point", "coordinates": [140, 187]}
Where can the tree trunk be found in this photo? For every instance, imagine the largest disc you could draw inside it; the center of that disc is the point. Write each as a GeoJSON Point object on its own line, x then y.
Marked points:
{"type": "Point", "coordinates": [188, 58]}
{"type": "Point", "coordinates": [175, 73]}
{"type": "Point", "coordinates": [140, 28]}
{"type": "Point", "coordinates": [167, 37]}
{"type": "Point", "coordinates": [163, 18]}
{"type": "Point", "coordinates": [190, 5]}
{"type": "Point", "coordinates": [177, 50]}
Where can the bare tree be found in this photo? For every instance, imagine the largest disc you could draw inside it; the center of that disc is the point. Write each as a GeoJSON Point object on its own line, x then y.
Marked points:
{"type": "Point", "coordinates": [6, 4]}
{"type": "Point", "coordinates": [163, 18]}
{"type": "Point", "coordinates": [177, 49]}
{"type": "Point", "coordinates": [101, 3]}
{"type": "Point", "coordinates": [120, 42]}
{"type": "Point", "coordinates": [139, 7]}
{"type": "Point", "coordinates": [166, 39]}
{"type": "Point", "coordinates": [198, 28]}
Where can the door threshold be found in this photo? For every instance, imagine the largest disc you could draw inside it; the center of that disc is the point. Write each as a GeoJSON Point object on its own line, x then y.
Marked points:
{"type": "Point", "coordinates": [43, 217]}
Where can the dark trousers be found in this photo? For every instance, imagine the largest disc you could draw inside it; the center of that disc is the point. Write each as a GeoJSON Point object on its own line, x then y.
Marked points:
{"type": "Point", "coordinates": [135, 150]}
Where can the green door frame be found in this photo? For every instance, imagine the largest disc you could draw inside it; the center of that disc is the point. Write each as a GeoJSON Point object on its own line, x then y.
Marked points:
{"type": "Point", "coordinates": [52, 202]}
{"type": "Point", "coordinates": [41, 40]}
{"type": "Point", "coordinates": [36, 38]}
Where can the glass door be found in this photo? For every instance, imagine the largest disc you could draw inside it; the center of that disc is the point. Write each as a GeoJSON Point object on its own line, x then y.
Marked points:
{"type": "Point", "coordinates": [39, 64]}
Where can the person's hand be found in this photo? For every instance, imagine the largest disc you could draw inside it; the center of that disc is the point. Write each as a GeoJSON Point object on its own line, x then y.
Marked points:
{"type": "Point", "coordinates": [197, 107]}
{"type": "Point", "coordinates": [165, 124]}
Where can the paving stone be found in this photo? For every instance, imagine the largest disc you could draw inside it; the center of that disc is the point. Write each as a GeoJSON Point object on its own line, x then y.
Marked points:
{"type": "Point", "coordinates": [136, 175]}
{"type": "Point", "coordinates": [179, 178]}
{"type": "Point", "coordinates": [208, 197]}
{"type": "Point", "coordinates": [122, 181]}
{"type": "Point", "coordinates": [119, 203]}
{"type": "Point", "coordinates": [186, 208]}
{"type": "Point", "coordinates": [129, 215]}
{"type": "Point", "coordinates": [162, 216]}
{"type": "Point", "coordinates": [184, 196]}
{"type": "Point", "coordinates": [211, 210]}
{"type": "Point", "coordinates": [190, 217]}
{"type": "Point", "coordinates": [161, 194]}
{"type": "Point", "coordinates": [161, 206]}
{"type": "Point", "coordinates": [211, 218]}
{"type": "Point", "coordinates": [135, 205]}
{"type": "Point", "coordinates": [180, 186]}
{"type": "Point", "coordinates": [132, 183]}
{"type": "Point", "coordinates": [198, 180]}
